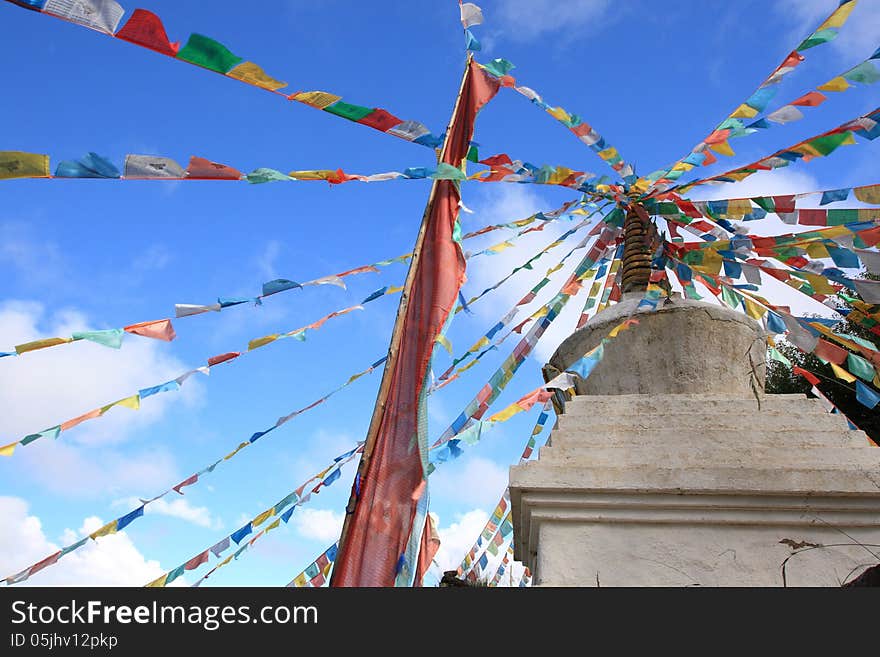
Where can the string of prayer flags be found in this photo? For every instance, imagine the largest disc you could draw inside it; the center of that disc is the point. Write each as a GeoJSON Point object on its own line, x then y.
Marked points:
{"type": "Point", "coordinates": [499, 380]}
{"type": "Point", "coordinates": [160, 329]}
{"type": "Point", "coordinates": [866, 126]}
{"type": "Point", "coordinates": [494, 523]}
{"type": "Point", "coordinates": [193, 479]}
{"type": "Point", "coordinates": [317, 573]}
{"type": "Point", "coordinates": [471, 15]}
{"type": "Point", "coordinates": [582, 130]}
{"type": "Point", "coordinates": [145, 29]}
{"type": "Point", "coordinates": [717, 141]}
{"type": "Point", "coordinates": [284, 509]}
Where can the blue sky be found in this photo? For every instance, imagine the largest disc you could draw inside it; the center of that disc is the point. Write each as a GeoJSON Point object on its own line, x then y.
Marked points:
{"type": "Point", "coordinates": [81, 254]}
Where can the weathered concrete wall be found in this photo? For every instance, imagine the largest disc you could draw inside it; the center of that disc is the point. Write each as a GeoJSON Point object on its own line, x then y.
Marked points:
{"type": "Point", "coordinates": [708, 490]}
{"type": "Point", "coordinates": [684, 346]}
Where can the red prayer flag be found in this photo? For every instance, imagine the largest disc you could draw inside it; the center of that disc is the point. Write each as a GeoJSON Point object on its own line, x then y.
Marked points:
{"type": "Point", "coordinates": [812, 99]}
{"type": "Point", "coordinates": [201, 169]}
{"type": "Point", "coordinates": [380, 120]}
{"type": "Point", "coordinates": [813, 217]}
{"type": "Point", "coordinates": [48, 561]}
{"type": "Point", "coordinates": [830, 352]}
{"type": "Point", "coordinates": [145, 29]}
{"type": "Point", "coordinates": [160, 329]}
{"type": "Point", "coordinates": [186, 482]}
{"type": "Point", "coordinates": [222, 358]}
{"type": "Point", "coordinates": [197, 561]}
{"type": "Point", "coordinates": [809, 376]}
{"type": "Point", "coordinates": [390, 476]}
{"type": "Point", "coordinates": [784, 204]}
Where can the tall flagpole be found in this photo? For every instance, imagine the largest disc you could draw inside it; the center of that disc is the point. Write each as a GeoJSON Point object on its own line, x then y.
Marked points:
{"type": "Point", "coordinates": [396, 335]}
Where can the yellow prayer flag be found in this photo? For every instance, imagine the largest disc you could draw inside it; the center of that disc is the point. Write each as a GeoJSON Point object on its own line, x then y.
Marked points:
{"type": "Point", "coordinates": [609, 153]}
{"type": "Point", "coordinates": [868, 194]}
{"type": "Point", "coordinates": [835, 84]}
{"type": "Point", "coordinates": [327, 567]}
{"type": "Point", "coordinates": [319, 99]}
{"type": "Point", "coordinates": [260, 342]}
{"type": "Point", "coordinates": [739, 207]}
{"type": "Point", "coordinates": [739, 175]}
{"type": "Point", "coordinates": [7, 450]}
{"type": "Point", "coordinates": [498, 248]}
{"type": "Point", "coordinates": [839, 17]}
{"type": "Point", "coordinates": [754, 310]}
{"type": "Point", "coordinates": [683, 166]}
{"type": "Point", "coordinates": [722, 148]}
{"type": "Point", "coordinates": [461, 370]}
{"type": "Point", "coordinates": [159, 582]}
{"type": "Point", "coordinates": [618, 329]}
{"type": "Point", "coordinates": [479, 344]}
{"type": "Point", "coordinates": [559, 114]}
{"type": "Point", "coordinates": [300, 580]}
{"type": "Point", "coordinates": [841, 373]}
{"type": "Point", "coordinates": [40, 344]}
{"type": "Point", "coordinates": [274, 525]}
{"type": "Point", "coordinates": [744, 112]}
{"type": "Point", "coordinates": [315, 174]}
{"type": "Point", "coordinates": [393, 289]}
{"type": "Point", "coordinates": [17, 164]}
{"type": "Point", "coordinates": [109, 528]}
{"type": "Point", "coordinates": [712, 261]}
{"type": "Point", "coordinates": [443, 340]}
{"type": "Point", "coordinates": [235, 451]}
{"type": "Point", "coordinates": [553, 270]}
{"type": "Point", "coordinates": [255, 75]}
{"type": "Point", "coordinates": [819, 283]}
{"type": "Point", "coordinates": [133, 402]}
{"type": "Point", "coordinates": [817, 250]}
{"type": "Point", "coordinates": [263, 517]}
{"type": "Point", "coordinates": [560, 174]}
{"type": "Point", "coordinates": [506, 414]}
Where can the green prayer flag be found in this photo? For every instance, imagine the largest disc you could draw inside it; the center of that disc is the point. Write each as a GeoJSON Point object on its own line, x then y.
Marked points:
{"type": "Point", "coordinates": [817, 39]}
{"type": "Point", "coordinates": [775, 355]}
{"type": "Point", "coordinates": [264, 175]}
{"type": "Point", "coordinates": [110, 338]}
{"type": "Point", "coordinates": [208, 53]}
{"type": "Point", "coordinates": [448, 172]}
{"type": "Point", "coordinates": [348, 111]}
{"type": "Point", "coordinates": [729, 296]}
{"type": "Point", "coordinates": [866, 73]}
{"type": "Point", "coordinates": [860, 367]}
{"type": "Point", "coordinates": [839, 217]}
{"type": "Point", "coordinates": [765, 203]}
{"type": "Point", "coordinates": [829, 143]}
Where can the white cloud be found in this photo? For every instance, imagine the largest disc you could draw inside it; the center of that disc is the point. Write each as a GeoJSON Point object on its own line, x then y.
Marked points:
{"type": "Point", "coordinates": [474, 480]}
{"type": "Point", "coordinates": [857, 39]}
{"type": "Point", "coordinates": [156, 257]}
{"type": "Point", "coordinates": [72, 470]}
{"type": "Point", "coordinates": [320, 524]}
{"type": "Point", "coordinates": [110, 561]}
{"type": "Point", "coordinates": [266, 261]}
{"type": "Point", "coordinates": [50, 386]}
{"type": "Point", "coordinates": [524, 20]}
{"type": "Point", "coordinates": [458, 538]}
{"type": "Point", "coordinates": [176, 508]}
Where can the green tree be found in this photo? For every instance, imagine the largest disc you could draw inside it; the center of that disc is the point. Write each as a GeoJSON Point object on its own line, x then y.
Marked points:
{"type": "Point", "coordinates": [782, 380]}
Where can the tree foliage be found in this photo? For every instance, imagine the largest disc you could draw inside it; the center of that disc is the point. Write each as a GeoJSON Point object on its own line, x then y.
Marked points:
{"type": "Point", "coordinates": [782, 380]}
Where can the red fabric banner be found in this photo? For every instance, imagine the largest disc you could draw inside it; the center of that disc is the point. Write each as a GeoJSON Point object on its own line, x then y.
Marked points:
{"type": "Point", "coordinates": [389, 484]}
